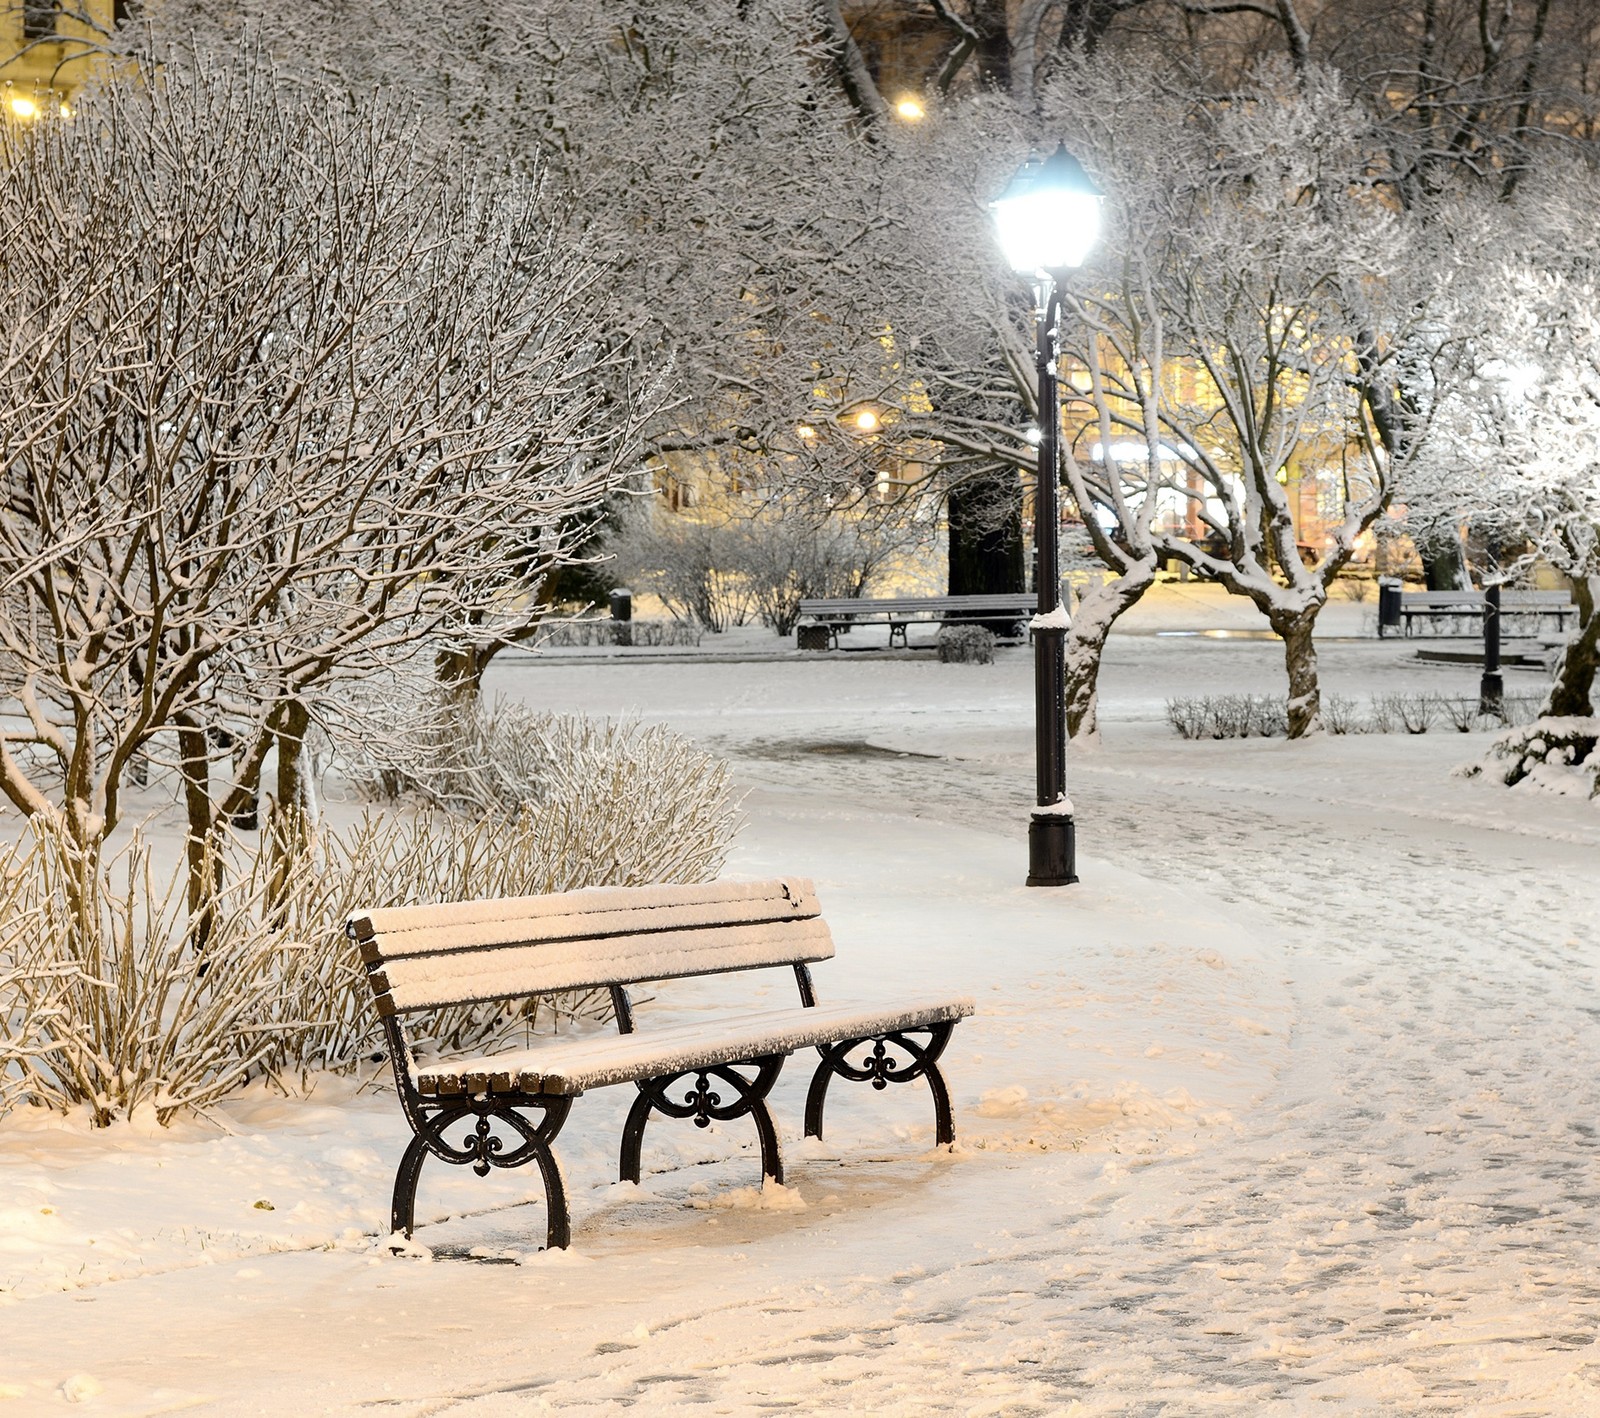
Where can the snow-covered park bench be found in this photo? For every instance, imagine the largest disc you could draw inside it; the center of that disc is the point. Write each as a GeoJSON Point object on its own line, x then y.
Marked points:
{"type": "Point", "coordinates": [511, 1105]}
{"type": "Point", "coordinates": [822, 619]}
{"type": "Point", "coordinates": [1461, 612]}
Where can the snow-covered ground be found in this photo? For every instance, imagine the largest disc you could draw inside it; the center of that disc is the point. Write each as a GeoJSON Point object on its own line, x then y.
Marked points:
{"type": "Point", "coordinates": [1290, 1106]}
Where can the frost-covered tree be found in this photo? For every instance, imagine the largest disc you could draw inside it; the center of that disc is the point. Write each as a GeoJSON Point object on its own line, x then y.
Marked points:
{"type": "Point", "coordinates": [1252, 310]}
{"type": "Point", "coordinates": [279, 400]}
{"type": "Point", "coordinates": [705, 156]}
{"type": "Point", "coordinates": [1515, 451]}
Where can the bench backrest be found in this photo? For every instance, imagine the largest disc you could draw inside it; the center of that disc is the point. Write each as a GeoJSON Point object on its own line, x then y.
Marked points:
{"type": "Point", "coordinates": [1008, 601]}
{"type": "Point", "coordinates": [467, 952]}
{"type": "Point", "coordinates": [1414, 600]}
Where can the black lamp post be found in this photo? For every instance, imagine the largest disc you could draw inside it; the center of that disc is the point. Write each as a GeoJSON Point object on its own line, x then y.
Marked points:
{"type": "Point", "coordinates": [1047, 219]}
{"type": "Point", "coordinates": [1491, 687]}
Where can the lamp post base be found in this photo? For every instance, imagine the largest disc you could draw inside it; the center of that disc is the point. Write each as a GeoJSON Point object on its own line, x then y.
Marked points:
{"type": "Point", "coordinates": [1052, 850]}
{"type": "Point", "coordinates": [1491, 694]}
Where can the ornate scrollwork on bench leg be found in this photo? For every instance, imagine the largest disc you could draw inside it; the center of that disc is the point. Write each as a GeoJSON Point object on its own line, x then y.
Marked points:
{"type": "Point", "coordinates": [704, 1103]}
{"type": "Point", "coordinates": [484, 1148]}
{"type": "Point", "coordinates": [880, 1068]}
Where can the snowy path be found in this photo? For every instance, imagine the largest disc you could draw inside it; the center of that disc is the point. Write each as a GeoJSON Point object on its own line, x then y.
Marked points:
{"type": "Point", "coordinates": [1410, 1219]}
{"type": "Point", "coordinates": [1289, 1108]}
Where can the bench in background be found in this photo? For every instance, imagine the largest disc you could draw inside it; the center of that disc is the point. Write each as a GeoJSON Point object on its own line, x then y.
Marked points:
{"type": "Point", "coordinates": [826, 618]}
{"type": "Point", "coordinates": [1461, 612]}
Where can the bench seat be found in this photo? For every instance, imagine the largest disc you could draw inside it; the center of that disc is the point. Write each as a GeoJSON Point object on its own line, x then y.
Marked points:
{"type": "Point", "coordinates": [570, 1066]}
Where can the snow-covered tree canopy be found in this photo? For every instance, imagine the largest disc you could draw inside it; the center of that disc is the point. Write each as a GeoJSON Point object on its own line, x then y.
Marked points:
{"type": "Point", "coordinates": [280, 396]}
{"type": "Point", "coordinates": [709, 163]}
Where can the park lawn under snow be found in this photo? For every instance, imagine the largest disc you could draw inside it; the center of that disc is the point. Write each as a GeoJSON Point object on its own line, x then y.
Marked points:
{"type": "Point", "coordinates": [1289, 1105]}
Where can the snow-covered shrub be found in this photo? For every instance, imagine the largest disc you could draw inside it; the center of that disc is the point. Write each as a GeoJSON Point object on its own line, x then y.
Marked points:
{"type": "Point", "coordinates": [621, 777]}
{"type": "Point", "coordinates": [691, 566]}
{"type": "Point", "coordinates": [966, 645]}
{"type": "Point", "coordinates": [578, 634]}
{"type": "Point", "coordinates": [1228, 716]}
{"type": "Point", "coordinates": [1557, 755]}
{"type": "Point", "coordinates": [1188, 716]}
{"type": "Point", "coordinates": [1269, 717]}
{"type": "Point", "coordinates": [322, 1018]}
{"type": "Point", "coordinates": [103, 1002]}
{"type": "Point", "coordinates": [1415, 713]}
{"type": "Point", "coordinates": [1339, 714]}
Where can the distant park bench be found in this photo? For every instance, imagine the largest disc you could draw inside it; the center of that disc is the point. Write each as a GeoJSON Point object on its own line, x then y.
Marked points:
{"type": "Point", "coordinates": [1461, 612]}
{"type": "Point", "coordinates": [822, 620]}
{"type": "Point", "coordinates": [510, 1105]}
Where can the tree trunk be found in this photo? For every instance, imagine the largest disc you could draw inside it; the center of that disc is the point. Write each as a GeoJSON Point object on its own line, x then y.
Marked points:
{"type": "Point", "coordinates": [458, 672]}
{"type": "Point", "coordinates": [199, 847]}
{"type": "Point", "coordinates": [1092, 619]}
{"type": "Point", "coordinates": [1300, 659]}
{"type": "Point", "coordinates": [985, 556]}
{"type": "Point", "coordinates": [1443, 565]}
{"type": "Point", "coordinates": [292, 792]}
{"type": "Point", "coordinates": [1572, 694]}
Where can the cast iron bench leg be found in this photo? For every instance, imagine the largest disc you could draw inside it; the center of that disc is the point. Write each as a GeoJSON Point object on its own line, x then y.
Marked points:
{"type": "Point", "coordinates": [482, 1149]}
{"type": "Point", "coordinates": [703, 1103]}
{"type": "Point", "coordinates": [880, 1069]}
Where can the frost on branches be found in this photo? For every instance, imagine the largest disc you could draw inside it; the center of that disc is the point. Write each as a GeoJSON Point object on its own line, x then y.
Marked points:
{"type": "Point", "coordinates": [281, 399]}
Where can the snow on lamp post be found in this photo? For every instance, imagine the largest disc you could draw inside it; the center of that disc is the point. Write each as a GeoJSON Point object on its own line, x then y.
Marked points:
{"type": "Point", "coordinates": [1047, 219]}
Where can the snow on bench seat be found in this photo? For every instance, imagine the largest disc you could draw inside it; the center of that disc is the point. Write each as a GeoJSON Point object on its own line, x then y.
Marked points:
{"type": "Point", "coordinates": [571, 1066]}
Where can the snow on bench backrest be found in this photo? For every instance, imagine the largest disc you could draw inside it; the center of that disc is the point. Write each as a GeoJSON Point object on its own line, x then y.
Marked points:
{"type": "Point", "coordinates": [419, 957]}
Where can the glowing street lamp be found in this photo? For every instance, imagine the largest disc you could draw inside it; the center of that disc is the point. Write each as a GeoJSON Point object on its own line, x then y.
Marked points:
{"type": "Point", "coordinates": [1047, 219]}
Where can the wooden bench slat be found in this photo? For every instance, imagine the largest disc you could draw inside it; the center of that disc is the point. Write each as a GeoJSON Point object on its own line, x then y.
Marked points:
{"type": "Point", "coordinates": [404, 930]}
{"type": "Point", "coordinates": [587, 925]}
{"type": "Point", "coordinates": [574, 1065]}
{"type": "Point", "coordinates": [506, 971]}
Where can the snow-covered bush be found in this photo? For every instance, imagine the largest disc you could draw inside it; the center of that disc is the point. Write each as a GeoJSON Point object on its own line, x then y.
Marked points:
{"type": "Point", "coordinates": [1556, 754]}
{"type": "Point", "coordinates": [628, 782]}
{"type": "Point", "coordinates": [1187, 715]}
{"type": "Point", "coordinates": [1339, 714]}
{"type": "Point", "coordinates": [966, 645]}
{"type": "Point", "coordinates": [578, 634]}
{"type": "Point", "coordinates": [105, 1003]}
{"type": "Point", "coordinates": [1226, 716]}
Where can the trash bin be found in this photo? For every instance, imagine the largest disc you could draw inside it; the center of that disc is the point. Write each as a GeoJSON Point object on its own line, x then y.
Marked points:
{"type": "Point", "coordinates": [622, 616]}
{"type": "Point", "coordinates": [1388, 604]}
{"type": "Point", "coordinates": [811, 637]}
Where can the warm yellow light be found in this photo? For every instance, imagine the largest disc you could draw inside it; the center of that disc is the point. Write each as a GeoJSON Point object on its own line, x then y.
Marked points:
{"type": "Point", "coordinates": [66, 110]}
{"type": "Point", "coordinates": [806, 432]}
{"type": "Point", "coordinates": [909, 109]}
{"type": "Point", "coordinates": [867, 421]}
{"type": "Point", "coordinates": [24, 107]}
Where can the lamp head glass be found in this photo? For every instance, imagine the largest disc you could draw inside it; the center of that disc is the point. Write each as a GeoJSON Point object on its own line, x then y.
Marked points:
{"type": "Point", "coordinates": [1049, 215]}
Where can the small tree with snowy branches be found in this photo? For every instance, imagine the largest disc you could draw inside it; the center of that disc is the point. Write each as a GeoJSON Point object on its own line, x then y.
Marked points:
{"type": "Point", "coordinates": [280, 400]}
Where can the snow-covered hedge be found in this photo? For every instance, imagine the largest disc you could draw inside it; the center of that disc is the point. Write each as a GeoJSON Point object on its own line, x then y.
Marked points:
{"type": "Point", "coordinates": [1241, 716]}
{"type": "Point", "coordinates": [105, 1005]}
{"type": "Point", "coordinates": [966, 645]}
{"type": "Point", "coordinates": [579, 634]}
